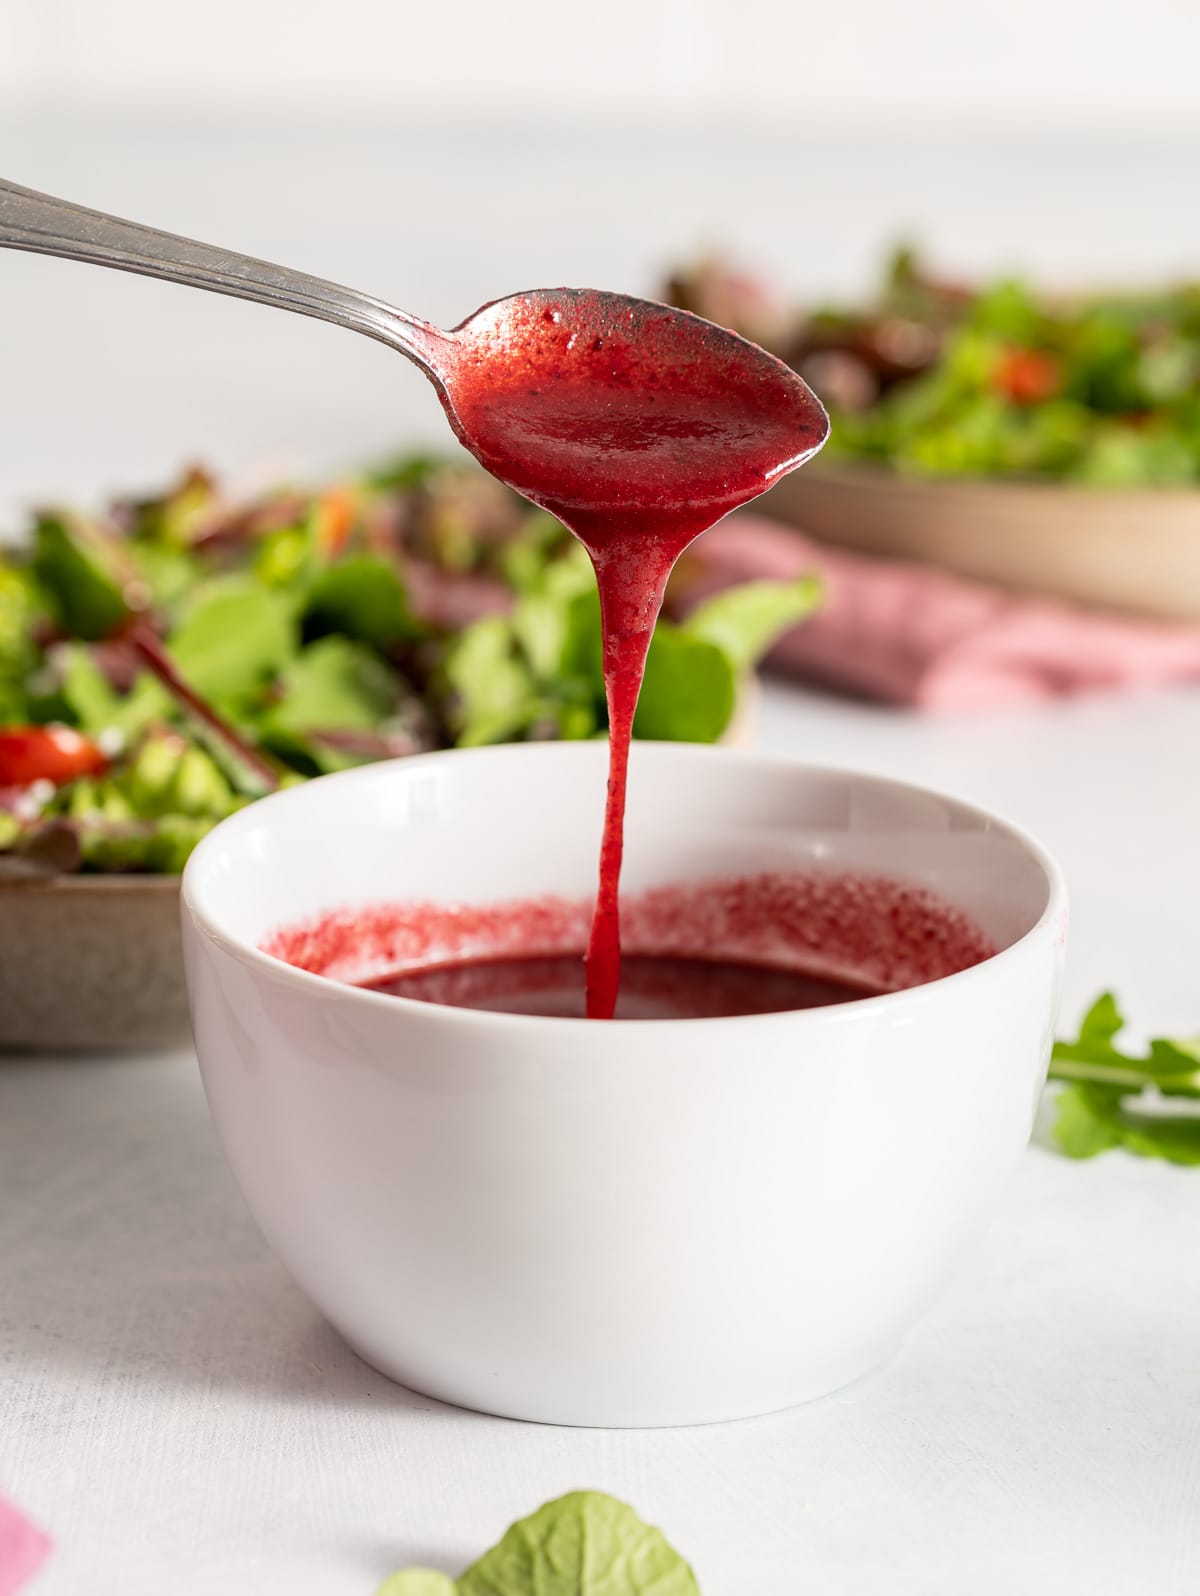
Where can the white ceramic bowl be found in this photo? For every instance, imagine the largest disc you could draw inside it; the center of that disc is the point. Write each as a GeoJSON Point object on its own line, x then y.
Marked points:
{"type": "Point", "coordinates": [638, 1223]}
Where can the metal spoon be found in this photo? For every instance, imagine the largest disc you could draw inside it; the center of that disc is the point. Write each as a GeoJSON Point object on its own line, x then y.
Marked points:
{"type": "Point", "coordinates": [491, 364]}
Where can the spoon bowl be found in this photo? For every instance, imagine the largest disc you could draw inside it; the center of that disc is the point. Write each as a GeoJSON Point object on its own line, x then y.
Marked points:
{"type": "Point", "coordinates": [591, 403]}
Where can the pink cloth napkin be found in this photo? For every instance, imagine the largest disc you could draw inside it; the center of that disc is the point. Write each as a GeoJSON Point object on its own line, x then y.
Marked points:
{"type": "Point", "coordinates": [910, 634]}
{"type": "Point", "coordinates": [23, 1549]}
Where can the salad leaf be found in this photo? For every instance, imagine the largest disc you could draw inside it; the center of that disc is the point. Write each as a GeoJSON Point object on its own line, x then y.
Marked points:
{"type": "Point", "coordinates": [155, 847]}
{"type": "Point", "coordinates": [557, 622]}
{"type": "Point", "coordinates": [75, 563]}
{"type": "Point", "coordinates": [689, 690]}
{"type": "Point", "coordinates": [1113, 1098]}
{"type": "Point", "coordinates": [745, 621]}
{"type": "Point", "coordinates": [582, 1544]}
{"type": "Point", "coordinates": [363, 597]}
{"type": "Point", "coordinates": [96, 706]}
{"type": "Point", "coordinates": [18, 655]}
{"type": "Point", "coordinates": [174, 520]}
{"type": "Point", "coordinates": [494, 692]}
{"type": "Point", "coordinates": [167, 573]}
{"type": "Point", "coordinates": [938, 378]}
{"type": "Point", "coordinates": [332, 684]}
{"type": "Point", "coordinates": [216, 650]}
{"type": "Point", "coordinates": [530, 553]}
{"type": "Point", "coordinates": [235, 635]}
{"type": "Point", "coordinates": [169, 775]}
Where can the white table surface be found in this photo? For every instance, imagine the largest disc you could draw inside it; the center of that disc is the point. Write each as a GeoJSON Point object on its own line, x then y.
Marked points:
{"type": "Point", "coordinates": [170, 1406]}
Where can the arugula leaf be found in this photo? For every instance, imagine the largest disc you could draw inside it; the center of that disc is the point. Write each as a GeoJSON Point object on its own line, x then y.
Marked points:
{"type": "Point", "coordinates": [418, 1582]}
{"type": "Point", "coordinates": [1087, 1120]}
{"type": "Point", "coordinates": [583, 1544]}
{"type": "Point", "coordinates": [745, 621]}
{"type": "Point", "coordinates": [234, 636]}
{"type": "Point", "coordinates": [364, 598]}
{"type": "Point", "coordinates": [1112, 1098]}
{"type": "Point", "coordinates": [689, 690]}
{"type": "Point", "coordinates": [1172, 1065]}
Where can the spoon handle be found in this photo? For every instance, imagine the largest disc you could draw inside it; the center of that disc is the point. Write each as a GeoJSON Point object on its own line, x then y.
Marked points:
{"type": "Point", "coordinates": [49, 226]}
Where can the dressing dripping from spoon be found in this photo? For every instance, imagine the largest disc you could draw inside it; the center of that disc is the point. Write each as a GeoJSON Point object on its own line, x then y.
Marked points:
{"type": "Point", "coordinates": [638, 426]}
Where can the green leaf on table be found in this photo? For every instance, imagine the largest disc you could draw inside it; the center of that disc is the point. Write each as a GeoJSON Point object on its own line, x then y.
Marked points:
{"type": "Point", "coordinates": [1172, 1064]}
{"type": "Point", "coordinates": [1172, 1061]}
{"type": "Point", "coordinates": [746, 621]}
{"type": "Point", "coordinates": [1113, 1098]}
{"type": "Point", "coordinates": [1087, 1120]}
{"type": "Point", "coordinates": [689, 690]}
{"type": "Point", "coordinates": [584, 1544]}
{"type": "Point", "coordinates": [78, 567]}
{"type": "Point", "coordinates": [233, 638]}
{"type": "Point", "coordinates": [1102, 1023]}
{"type": "Point", "coordinates": [418, 1582]}
{"type": "Point", "coordinates": [1174, 1138]}
{"type": "Point", "coordinates": [364, 598]}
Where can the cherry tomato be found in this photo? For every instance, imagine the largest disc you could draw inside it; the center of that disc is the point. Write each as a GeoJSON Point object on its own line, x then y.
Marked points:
{"type": "Point", "coordinates": [46, 753]}
{"type": "Point", "coordinates": [1027, 376]}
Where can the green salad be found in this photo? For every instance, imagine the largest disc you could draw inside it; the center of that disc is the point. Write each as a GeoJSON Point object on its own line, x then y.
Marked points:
{"type": "Point", "coordinates": [171, 660]}
{"type": "Point", "coordinates": [944, 379]}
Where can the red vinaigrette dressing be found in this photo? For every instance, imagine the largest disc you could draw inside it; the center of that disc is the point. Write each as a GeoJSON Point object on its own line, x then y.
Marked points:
{"type": "Point", "coordinates": [784, 942]}
{"type": "Point", "coordinates": [637, 451]}
{"type": "Point", "coordinates": [654, 987]}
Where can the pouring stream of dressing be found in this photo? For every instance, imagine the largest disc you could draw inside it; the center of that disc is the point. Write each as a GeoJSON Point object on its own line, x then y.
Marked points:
{"type": "Point", "coordinates": [639, 427]}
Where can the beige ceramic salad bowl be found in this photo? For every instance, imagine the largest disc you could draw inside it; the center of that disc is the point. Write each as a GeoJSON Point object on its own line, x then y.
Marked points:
{"type": "Point", "coordinates": [1132, 549]}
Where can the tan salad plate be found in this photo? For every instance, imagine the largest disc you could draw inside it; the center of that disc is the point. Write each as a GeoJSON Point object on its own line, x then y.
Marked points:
{"type": "Point", "coordinates": [1136, 550]}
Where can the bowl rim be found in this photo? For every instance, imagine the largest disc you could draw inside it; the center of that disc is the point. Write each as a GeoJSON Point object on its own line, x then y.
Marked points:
{"type": "Point", "coordinates": [245, 953]}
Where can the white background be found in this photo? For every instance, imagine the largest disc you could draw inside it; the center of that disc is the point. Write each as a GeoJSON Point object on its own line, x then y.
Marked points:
{"type": "Point", "coordinates": [177, 1415]}
{"type": "Point", "coordinates": [1052, 62]}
